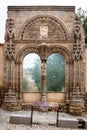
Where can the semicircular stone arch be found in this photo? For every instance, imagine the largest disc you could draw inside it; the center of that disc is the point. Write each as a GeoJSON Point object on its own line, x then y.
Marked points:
{"type": "Point", "coordinates": [36, 49]}
{"type": "Point", "coordinates": [26, 50]}
{"type": "Point", "coordinates": [51, 50]}
{"type": "Point", "coordinates": [61, 50]}
{"type": "Point", "coordinates": [68, 58]}
{"type": "Point", "coordinates": [53, 29]}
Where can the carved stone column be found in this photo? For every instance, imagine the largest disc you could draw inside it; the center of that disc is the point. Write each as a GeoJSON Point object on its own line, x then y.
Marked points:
{"type": "Point", "coordinates": [68, 81]}
{"type": "Point", "coordinates": [44, 79]}
{"type": "Point", "coordinates": [10, 100]}
{"type": "Point", "coordinates": [44, 49]}
{"type": "Point", "coordinates": [19, 82]}
{"type": "Point", "coordinates": [77, 101]}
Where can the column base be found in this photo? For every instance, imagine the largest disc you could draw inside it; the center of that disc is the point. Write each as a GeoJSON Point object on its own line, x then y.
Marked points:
{"type": "Point", "coordinates": [10, 101]}
{"type": "Point", "coordinates": [77, 104]}
{"type": "Point", "coordinates": [77, 107]}
{"type": "Point", "coordinates": [85, 102]}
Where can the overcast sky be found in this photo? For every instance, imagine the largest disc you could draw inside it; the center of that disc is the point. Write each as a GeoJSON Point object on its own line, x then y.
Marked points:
{"type": "Point", "coordinates": [5, 3]}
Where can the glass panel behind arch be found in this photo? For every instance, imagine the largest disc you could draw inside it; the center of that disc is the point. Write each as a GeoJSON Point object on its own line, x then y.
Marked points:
{"type": "Point", "coordinates": [56, 73]}
{"type": "Point", "coordinates": [31, 73]}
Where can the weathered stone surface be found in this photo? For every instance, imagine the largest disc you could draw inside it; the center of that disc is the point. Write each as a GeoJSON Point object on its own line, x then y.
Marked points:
{"type": "Point", "coordinates": [1, 65]}
{"type": "Point", "coordinates": [68, 123]}
{"type": "Point", "coordinates": [10, 101]}
{"type": "Point", "coordinates": [20, 119]}
{"type": "Point", "coordinates": [41, 121]}
{"type": "Point", "coordinates": [85, 123]}
{"type": "Point", "coordinates": [43, 30]}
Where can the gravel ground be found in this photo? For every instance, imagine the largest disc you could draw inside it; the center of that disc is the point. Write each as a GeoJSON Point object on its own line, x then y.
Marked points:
{"type": "Point", "coordinates": [41, 121]}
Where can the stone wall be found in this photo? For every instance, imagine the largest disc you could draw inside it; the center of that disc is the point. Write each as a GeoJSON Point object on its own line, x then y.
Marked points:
{"type": "Point", "coordinates": [1, 65]}
{"type": "Point", "coordinates": [1, 74]}
{"type": "Point", "coordinates": [31, 97]}
{"type": "Point", "coordinates": [21, 15]}
{"type": "Point", "coordinates": [51, 97]}
{"type": "Point", "coordinates": [85, 69]}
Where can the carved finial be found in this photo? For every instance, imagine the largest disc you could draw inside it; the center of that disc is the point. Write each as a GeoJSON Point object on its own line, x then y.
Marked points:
{"type": "Point", "coordinates": [77, 33]}
{"type": "Point", "coordinates": [9, 35]}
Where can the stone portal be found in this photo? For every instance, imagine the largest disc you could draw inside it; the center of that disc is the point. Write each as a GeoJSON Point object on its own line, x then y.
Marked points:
{"type": "Point", "coordinates": [45, 30]}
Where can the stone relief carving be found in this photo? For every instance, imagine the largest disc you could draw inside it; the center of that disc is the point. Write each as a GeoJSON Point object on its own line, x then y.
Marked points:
{"type": "Point", "coordinates": [77, 35]}
{"type": "Point", "coordinates": [44, 50]}
{"type": "Point", "coordinates": [77, 53]}
{"type": "Point", "coordinates": [10, 51]}
{"type": "Point", "coordinates": [44, 27]}
{"type": "Point", "coordinates": [43, 31]}
{"type": "Point", "coordinates": [43, 68]}
{"type": "Point", "coordinates": [9, 35]}
{"type": "Point", "coordinates": [40, 28]}
{"type": "Point", "coordinates": [77, 32]}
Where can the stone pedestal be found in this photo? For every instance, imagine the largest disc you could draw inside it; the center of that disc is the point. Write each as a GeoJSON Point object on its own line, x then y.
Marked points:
{"type": "Point", "coordinates": [10, 101]}
{"type": "Point", "coordinates": [68, 123]}
{"type": "Point", "coordinates": [85, 102]}
{"type": "Point", "coordinates": [76, 104]}
{"type": "Point", "coordinates": [20, 119]}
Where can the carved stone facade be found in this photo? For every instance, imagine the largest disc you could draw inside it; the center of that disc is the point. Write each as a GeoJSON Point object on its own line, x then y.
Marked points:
{"type": "Point", "coordinates": [42, 27]}
{"type": "Point", "coordinates": [45, 30]}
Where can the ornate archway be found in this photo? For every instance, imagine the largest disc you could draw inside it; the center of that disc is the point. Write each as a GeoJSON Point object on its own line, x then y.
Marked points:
{"type": "Point", "coordinates": [44, 34]}
{"type": "Point", "coordinates": [44, 26]}
{"type": "Point", "coordinates": [43, 55]}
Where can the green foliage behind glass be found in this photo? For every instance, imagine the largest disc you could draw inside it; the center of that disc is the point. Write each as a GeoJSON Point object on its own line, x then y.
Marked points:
{"type": "Point", "coordinates": [55, 73]}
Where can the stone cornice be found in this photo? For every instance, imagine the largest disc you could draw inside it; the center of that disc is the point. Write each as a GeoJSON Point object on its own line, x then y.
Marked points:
{"type": "Point", "coordinates": [41, 8]}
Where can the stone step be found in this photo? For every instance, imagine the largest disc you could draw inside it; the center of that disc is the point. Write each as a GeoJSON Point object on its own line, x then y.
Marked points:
{"type": "Point", "coordinates": [20, 119]}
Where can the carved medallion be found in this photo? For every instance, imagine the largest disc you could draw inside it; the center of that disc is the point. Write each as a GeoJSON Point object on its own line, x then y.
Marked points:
{"type": "Point", "coordinates": [43, 31]}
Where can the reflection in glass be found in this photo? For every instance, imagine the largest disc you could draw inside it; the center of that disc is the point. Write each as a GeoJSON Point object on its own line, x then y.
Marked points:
{"type": "Point", "coordinates": [56, 73]}
{"type": "Point", "coordinates": [31, 73]}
